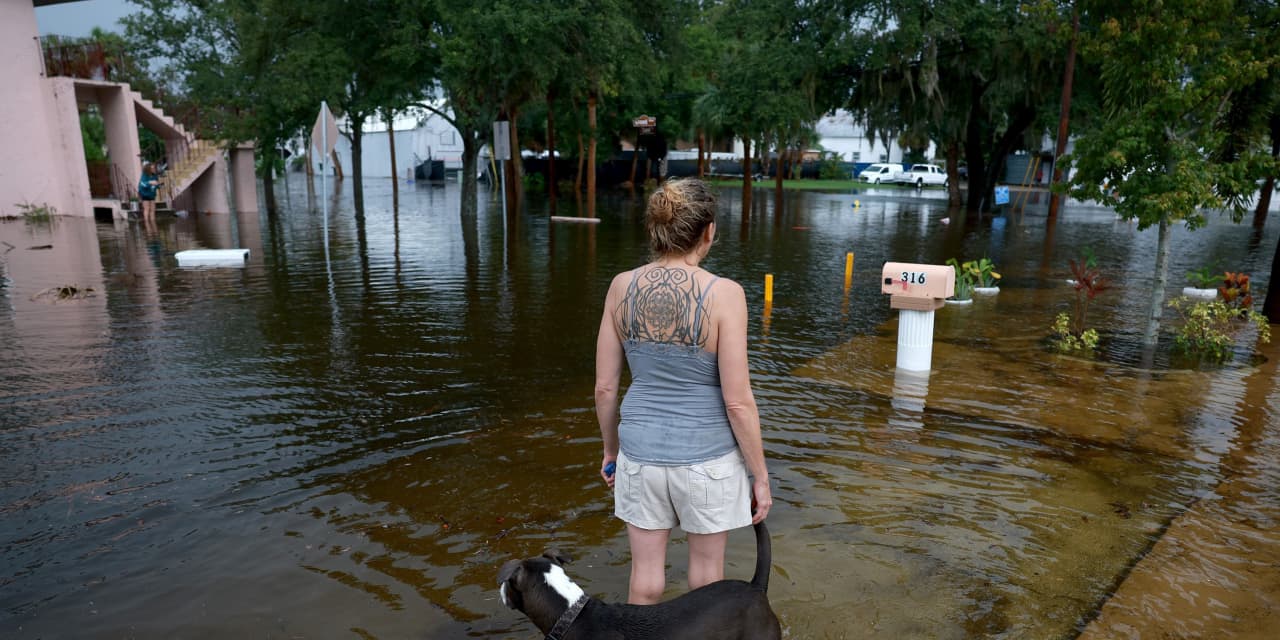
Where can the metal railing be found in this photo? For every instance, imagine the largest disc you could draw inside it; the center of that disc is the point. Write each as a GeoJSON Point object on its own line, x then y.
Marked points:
{"type": "Point", "coordinates": [89, 60]}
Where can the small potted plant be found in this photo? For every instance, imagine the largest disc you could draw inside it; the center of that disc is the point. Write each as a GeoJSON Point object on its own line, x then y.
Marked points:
{"type": "Point", "coordinates": [964, 283]}
{"type": "Point", "coordinates": [984, 276]}
{"type": "Point", "coordinates": [1204, 284]}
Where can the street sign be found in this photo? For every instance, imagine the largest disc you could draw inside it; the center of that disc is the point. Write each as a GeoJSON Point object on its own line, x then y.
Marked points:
{"type": "Point", "coordinates": [502, 140]}
{"type": "Point", "coordinates": [324, 135]}
{"type": "Point", "coordinates": [643, 122]}
{"type": "Point", "coordinates": [1002, 195]}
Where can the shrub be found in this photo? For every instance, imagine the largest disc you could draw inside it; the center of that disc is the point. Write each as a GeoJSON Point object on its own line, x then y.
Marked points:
{"type": "Point", "coordinates": [1065, 340]}
{"type": "Point", "coordinates": [832, 169]}
{"type": "Point", "coordinates": [1203, 278]}
{"type": "Point", "coordinates": [1209, 327]}
{"type": "Point", "coordinates": [1235, 291]}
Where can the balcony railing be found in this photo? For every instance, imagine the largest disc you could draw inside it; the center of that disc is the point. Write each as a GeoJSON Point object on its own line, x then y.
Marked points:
{"type": "Point", "coordinates": [88, 61]}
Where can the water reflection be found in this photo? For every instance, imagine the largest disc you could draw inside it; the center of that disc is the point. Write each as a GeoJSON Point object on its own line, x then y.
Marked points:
{"type": "Point", "coordinates": [356, 440]}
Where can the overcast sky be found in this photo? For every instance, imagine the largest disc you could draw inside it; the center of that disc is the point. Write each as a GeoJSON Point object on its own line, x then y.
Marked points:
{"type": "Point", "coordinates": [78, 18]}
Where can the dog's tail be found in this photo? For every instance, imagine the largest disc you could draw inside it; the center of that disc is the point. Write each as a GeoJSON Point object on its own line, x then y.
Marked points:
{"type": "Point", "coordinates": [764, 558]}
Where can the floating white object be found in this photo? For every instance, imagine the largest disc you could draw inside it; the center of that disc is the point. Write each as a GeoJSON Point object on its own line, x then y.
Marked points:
{"type": "Point", "coordinates": [218, 257]}
{"type": "Point", "coordinates": [573, 219]}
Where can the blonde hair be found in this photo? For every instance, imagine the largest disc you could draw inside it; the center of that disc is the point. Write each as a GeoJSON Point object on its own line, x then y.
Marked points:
{"type": "Point", "coordinates": [679, 211]}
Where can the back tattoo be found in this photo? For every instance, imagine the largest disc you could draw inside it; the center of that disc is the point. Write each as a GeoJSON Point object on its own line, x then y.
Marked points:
{"type": "Point", "coordinates": [663, 305]}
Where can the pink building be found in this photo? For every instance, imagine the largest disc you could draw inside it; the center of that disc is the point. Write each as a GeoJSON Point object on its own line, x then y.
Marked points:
{"type": "Point", "coordinates": [42, 156]}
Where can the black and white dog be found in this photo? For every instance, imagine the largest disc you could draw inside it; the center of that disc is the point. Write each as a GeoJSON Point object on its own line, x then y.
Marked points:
{"type": "Point", "coordinates": [724, 610]}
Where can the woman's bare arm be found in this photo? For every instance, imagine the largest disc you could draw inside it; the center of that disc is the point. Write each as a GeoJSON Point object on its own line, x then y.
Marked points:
{"type": "Point", "coordinates": [609, 358]}
{"type": "Point", "coordinates": [735, 384]}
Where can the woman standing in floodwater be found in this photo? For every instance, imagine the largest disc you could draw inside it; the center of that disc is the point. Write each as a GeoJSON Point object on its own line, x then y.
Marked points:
{"type": "Point", "coordinates": [147, 192]}
{"type": "Point", "coordinates": [688, 431]}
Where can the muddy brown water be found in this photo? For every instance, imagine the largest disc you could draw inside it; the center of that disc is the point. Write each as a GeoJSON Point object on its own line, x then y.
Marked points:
{"type": "Point", "coordinates": [351, 448]}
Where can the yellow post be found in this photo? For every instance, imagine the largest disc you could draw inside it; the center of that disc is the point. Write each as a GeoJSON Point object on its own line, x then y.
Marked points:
{"type": "Point", "coordinates": [848, 266]}
{"type": "Point", "coordinates": [768, 287]}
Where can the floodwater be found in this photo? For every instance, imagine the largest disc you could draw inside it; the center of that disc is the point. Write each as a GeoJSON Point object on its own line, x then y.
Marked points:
{"type": "Point", "coordinates": [351, 447]}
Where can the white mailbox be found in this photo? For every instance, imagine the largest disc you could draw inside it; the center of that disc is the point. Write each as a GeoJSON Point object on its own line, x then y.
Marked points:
{"type": "Point", "coordinates": [916, 291]}
{"type": "Point", "coordinates": [920, 287]}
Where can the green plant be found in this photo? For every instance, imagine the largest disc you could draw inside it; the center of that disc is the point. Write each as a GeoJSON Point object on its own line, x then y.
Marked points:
{"type": "Point", "coordinates": [36, 212]}
{"type": "Point", "coordinates": [1235, 291]}
{"type": "Point", "coordinates": [983, 272]}
{"type": "Point", "coordinates": [1069, 329]}
{"type": "Point", "coordinates": [1066, 340]}
{"type": "Point", "coordinates": [1209, 326]}
{"type": "Point", "coordinates": [535, 183]}
{"type": "Point", "coordinates": [831, 168]}
{"type": "Point", "coordinates": [964, 279]}
{"type": "Point", "coordinates": [1204, 278]}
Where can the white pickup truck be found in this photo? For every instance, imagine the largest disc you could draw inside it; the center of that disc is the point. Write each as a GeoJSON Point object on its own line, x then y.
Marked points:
{"type": "Point", "coordinates": [921, 175]}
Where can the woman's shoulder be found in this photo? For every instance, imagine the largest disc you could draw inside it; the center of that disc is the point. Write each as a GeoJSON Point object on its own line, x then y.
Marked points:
{"type": "Point", "coordinates": [715, 283]}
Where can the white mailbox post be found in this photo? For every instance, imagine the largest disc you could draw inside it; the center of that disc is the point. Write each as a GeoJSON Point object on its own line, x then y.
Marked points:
{"type": "Point", "coordinates": [916, 291]}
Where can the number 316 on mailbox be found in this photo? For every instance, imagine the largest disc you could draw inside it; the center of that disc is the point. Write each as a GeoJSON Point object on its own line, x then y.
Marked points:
{"type": "Point", "coordinates": [920, 287]}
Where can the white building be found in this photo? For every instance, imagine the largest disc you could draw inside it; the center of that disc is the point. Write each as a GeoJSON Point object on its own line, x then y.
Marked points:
{"type": "Point", "coordinates": [420, 135]}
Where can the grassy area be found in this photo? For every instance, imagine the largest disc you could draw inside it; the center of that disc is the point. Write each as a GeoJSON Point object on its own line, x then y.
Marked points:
{"type": "Point", "coordinates": [811, 185]}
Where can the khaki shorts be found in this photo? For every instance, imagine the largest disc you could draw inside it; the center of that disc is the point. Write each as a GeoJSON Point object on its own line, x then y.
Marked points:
{"type": "Point", "coordinates": [708, 497]}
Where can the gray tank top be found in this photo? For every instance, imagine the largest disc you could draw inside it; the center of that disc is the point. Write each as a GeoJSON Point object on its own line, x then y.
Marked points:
{"type": "Point", "coordinates": [673, 413]}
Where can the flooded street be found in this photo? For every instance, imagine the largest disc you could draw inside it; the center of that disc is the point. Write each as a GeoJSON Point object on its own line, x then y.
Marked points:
{"type": "Point", "coordinates": [351, 448]}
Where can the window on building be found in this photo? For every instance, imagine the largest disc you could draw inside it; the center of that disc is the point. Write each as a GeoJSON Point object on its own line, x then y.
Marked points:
{"type": "Point", "coordinates": [884, 157]}
{"type": "Point", "coordinates": [857, 156]}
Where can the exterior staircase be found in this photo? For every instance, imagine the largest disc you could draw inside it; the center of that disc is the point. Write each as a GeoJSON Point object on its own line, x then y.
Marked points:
{"type": "Point", "coordinates": [188, 156]}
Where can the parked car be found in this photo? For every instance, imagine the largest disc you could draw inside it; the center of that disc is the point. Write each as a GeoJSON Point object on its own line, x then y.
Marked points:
{"type": "Point", "coordinates": [922, 174]}
{"type": "Point", "coordinates": [880, 172]}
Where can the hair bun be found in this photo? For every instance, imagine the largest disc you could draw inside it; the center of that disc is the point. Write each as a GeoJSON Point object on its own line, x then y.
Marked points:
{"type": "Point", "coordinates": [661, 209]}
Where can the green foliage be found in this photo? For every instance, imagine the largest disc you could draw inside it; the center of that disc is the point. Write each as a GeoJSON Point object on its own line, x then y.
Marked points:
{"type": "Point", "coordinates": [1069, 330]}
{"type": "Point", "coordinates": [1066, 340]}
{"type": "Point", "coordinates": [1169, 72]}
{"type": "Point", "coordinates": [983, 272]}
{"type": "Point", "coordinates": [36, 213]}
{"type": "Point", "coordinates": [964, 279]}
{"type": "Point", "coordinates": [831, 168]}
{"type": "Point", "coordinates": [1209, 327]}
{"type": "Point", "coordinates": [1204, 278]}
{"type": "Point", "coordinates": [535, 183]}
{"type": "Point", "coordinates": [971, 76]}
{"type": "Point", "coordinates": [93, 131]}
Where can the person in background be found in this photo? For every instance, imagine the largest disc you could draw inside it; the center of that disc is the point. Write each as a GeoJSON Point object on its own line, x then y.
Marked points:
{"type": "Point", "coordinates": [679, 450]}
{"type": "Point", "coordinates": [147, 188]}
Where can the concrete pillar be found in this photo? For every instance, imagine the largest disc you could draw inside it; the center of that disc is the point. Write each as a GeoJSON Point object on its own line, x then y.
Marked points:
{"type": "Point", "coordinates": [210, 189]}
{"type": "Point", "coordinates": [244, 184]}
{"type": "Point", "coordinates": [121, 122]}
{"type": "Point", "coordinates": [32, 154]}
{"type": "Point", "coordinates": [67, 146]}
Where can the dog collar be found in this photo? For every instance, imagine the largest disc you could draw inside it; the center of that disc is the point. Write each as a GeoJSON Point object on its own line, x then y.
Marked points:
{"type": "Point", "coordinates": [562, 625]}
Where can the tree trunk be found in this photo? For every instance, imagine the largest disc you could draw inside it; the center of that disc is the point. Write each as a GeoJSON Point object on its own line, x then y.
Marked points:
{"type": "Point", "coordinates": [591, 155]}
{"type": "Point", "coordinates": [1271, 306]}
{"type": "Point", "coordinates": [338, 173]}
{"type": "Point", "coordinates": [777, 184]}
{"type": "Point", "coordinates": [1064, 118]}
{"type": "Point", "coordinates": [746, 179]}
{"type": "Point", "coordinates": [470, 162]}
{"type": "Point", "coordinates": [953, 174]}
{"type": "Point", "coordinates": [973, 135]}
{"type": "Point", "coordinates": [1268, 185]}
{"type": "Point", "coordinates": [269, 190]}
{"type": "Point", "coordinates": [1152, 333]}
{"type": "Point", "coordinates": [391, 141]}
{"type": "Point", "coordinates": [635, 162]}
{"type": "Point", "coordinates": [515, 166]}
{"type": "Point", "coordinates": [702, 145]}
{"type": "Point", "coordinates": [551, 151]}
{"type": "Point", "coordinates": [577, 178]}
{"type": "Point", "coordinates": [357, 163]}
